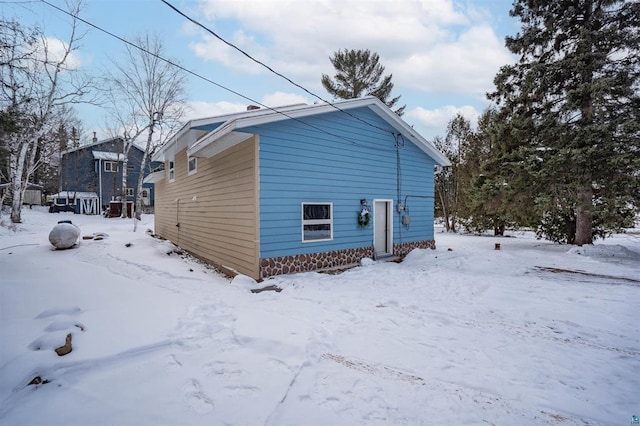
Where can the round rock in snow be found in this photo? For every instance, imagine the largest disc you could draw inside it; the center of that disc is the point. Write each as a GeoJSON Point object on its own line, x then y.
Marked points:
{"type": "Point", "coordinates": [64, 235]}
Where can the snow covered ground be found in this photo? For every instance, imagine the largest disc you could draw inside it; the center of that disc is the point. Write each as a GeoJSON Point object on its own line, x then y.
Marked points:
{"type": "Point", "coordinates": [470, 335]}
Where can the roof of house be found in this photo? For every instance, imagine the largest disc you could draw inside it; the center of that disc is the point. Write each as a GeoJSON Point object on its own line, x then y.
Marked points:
{"type": "Point", "coordinates": [154, 176]}
{"type": "Point", "coordinates": [223, 131]}
{"type": "Point", "coordinates": [97, 143]}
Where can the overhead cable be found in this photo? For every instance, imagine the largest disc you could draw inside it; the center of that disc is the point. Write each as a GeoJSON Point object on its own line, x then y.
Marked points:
{"type": "Point", "coordinates": [208, 80]}
{"type": "Point", "coordinates": [228, 43]}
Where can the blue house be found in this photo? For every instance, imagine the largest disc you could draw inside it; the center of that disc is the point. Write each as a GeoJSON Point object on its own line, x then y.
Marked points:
{"type": "Point", "coordinates": [298, 188]}
{"type": "Point", "coordinates": [97, 168]}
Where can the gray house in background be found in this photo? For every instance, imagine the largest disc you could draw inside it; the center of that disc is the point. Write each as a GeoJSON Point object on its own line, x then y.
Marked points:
{"type": "Point", "coordinates": [97, 168]}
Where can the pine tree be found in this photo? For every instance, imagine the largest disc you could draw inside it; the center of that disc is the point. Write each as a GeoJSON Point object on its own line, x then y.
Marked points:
{"type": "Point", "coordinates": [572, 106]}
{"type": "Point", "coordinates": [358, 73]}
{"type": "Point", "coordinates": [482, 196]}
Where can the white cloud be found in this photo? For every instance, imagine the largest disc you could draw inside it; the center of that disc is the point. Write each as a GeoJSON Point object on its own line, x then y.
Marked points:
{"type": "Point", "coordinates": [201, 109]}
{"type": "Point", "coordinates": [283, 99]}
{"type": "Point", "coordinates": [431, 123]}
{"type": "Point", "coordinates": [212, 49]}
{"type": "Point", "coordinates": [431, 45]}
{"type": "Point", "coordinates": [52, 51]}
{"type": "Point", "coordinates": [466, 65]}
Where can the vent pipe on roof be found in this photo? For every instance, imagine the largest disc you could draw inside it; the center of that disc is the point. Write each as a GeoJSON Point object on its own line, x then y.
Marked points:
{"type": "Point", "coordinates": [252, 107]}
{"type": "Point", "coordinates": [95, 138]}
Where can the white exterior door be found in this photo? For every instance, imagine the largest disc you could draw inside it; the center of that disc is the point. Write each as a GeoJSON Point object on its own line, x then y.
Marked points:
{"type": "Point", "coordinates": [382, 228]}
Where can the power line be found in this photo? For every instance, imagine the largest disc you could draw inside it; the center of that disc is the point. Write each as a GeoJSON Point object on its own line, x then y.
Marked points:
{"type": "Point", "coordinates": [213, 33]}
{"type": "Point", "coordinates": [152, 54]}
{"type": "Point", "coordinates": [208, 80]}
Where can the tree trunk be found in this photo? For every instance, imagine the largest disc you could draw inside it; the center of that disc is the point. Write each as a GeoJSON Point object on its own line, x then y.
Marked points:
{"type": "Point", "coordinates": [584, 216]}
{"type": "Point", "coordinates": [138, 212]}
{"type": "Point", "coordinates": [445, 210]}
{"type": "Point", "coordinates": [16, 184]}
{"type": "Point", "coordinates": [30, 166]}
{"type": "Point", "coordinates": [4, 195]}
{"type": "Point", "coordinates": [143, 164]}
{"type": "Point", "coordinates": [125, 165]}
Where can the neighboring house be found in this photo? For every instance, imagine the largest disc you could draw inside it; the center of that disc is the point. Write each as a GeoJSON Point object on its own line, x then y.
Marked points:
{"type": "Point", "coordinates": [97, 168]}
{"type": "Point", "coordinates": [264, 193]}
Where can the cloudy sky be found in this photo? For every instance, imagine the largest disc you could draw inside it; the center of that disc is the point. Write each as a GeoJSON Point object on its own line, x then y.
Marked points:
{"type": "Point", "coordinates": [443, 54]}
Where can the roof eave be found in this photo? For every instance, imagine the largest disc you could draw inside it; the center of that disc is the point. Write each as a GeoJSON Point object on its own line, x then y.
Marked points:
{"type": "Point", "coordinates": [154, 177]}
{"type": "Point", "coordinates": [396, 122]}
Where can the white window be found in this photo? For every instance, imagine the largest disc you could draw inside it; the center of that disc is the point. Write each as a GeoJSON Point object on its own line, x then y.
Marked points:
{"type": "Point", "coordinates": [110, 166]}
{"type": "Point", "coordinates": [172, 171]}
{"type": "Point", "coordinates": [317, 222]}
{"type": "Point", "coordinates": [129, 192]}
{"type": "Point", "coordinates": [192, 165]}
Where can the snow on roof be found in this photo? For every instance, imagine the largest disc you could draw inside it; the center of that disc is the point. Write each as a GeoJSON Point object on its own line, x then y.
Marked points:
{"type": "Point", "coordinates": [74, 194]}
{"type": "Point", "coordinates": [100, 142]}
{"type": "Point", "coordinates": [108, 156]}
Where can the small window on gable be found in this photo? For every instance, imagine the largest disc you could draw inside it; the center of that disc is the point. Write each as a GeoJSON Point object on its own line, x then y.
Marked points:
{"type": "Point", "coordinates": [129, 192]}
{"type": "Point", "coordinates": [172, 171]}
{"type": "Point", "coordinates": [317, 222]}
{"type": "Point", "coordinates": [192, 165]}
{"type": "Point", "coordinates": [110, 166]}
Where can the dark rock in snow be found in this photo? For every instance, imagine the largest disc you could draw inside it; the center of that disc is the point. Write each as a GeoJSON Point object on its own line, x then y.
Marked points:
{"type": "Point", "coordinates": [66, 348]}
{"type": "Point", "coordinates": [38, 381]}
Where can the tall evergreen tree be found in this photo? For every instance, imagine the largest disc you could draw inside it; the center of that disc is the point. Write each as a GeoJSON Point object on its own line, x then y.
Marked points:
{"type": "Point", "coordinates": [501, 187]}
{"type": "Point", "coordinates": [358, 73]}
{"type": "Point", "coordinates": [573, 103]}
{"type": "Point", "coordinates": [482, 197]}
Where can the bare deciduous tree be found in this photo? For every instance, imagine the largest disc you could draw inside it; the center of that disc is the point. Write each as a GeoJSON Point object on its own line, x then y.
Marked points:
{"type": "Point", "coordinates": [447, 183]}
{"type": "Point", "coordinates": [146, 92]}
{"type": "Point", "coordinates": [36, 84]}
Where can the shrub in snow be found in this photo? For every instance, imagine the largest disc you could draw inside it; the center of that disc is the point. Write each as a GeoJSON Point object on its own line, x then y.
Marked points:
{"type": "Point", "coordinates": [64, 235]}
{"type": "Point", "coordinates": [366, 261]}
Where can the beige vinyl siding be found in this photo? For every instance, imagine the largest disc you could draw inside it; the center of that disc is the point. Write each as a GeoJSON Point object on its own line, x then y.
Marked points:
{"type": "Point", "coordinates": [216, 208]}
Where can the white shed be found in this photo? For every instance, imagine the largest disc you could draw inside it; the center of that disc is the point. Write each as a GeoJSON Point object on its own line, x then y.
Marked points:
{"type": "Point", "coordinates": [79, 202]}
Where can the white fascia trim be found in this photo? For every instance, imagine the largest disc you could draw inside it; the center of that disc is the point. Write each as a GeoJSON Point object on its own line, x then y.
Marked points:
{"type": "Point", "coordinates": [154, 177]}
{"type": "Point", "coordinates": [264, 116]}
{"type": "Point", "coordinates": [220, 132]}
{"type": "Point", "coordinates": [407, 131]}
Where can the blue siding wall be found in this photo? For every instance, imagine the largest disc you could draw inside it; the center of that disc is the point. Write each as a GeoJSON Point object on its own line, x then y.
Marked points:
{"type": "Point", "coordinates": [338, 159]}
